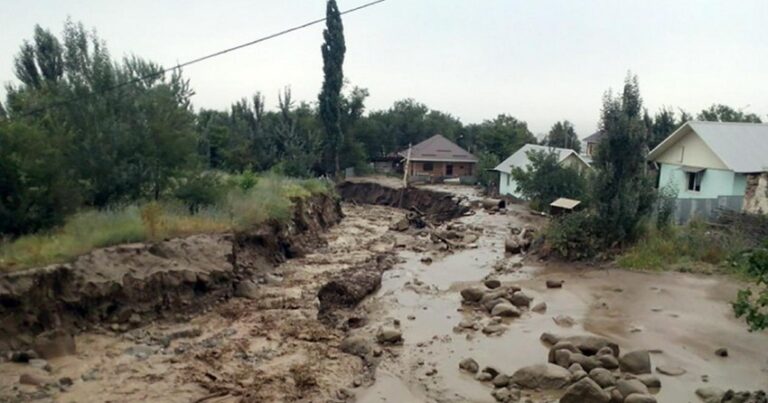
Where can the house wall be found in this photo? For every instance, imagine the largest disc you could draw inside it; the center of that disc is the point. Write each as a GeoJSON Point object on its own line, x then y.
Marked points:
{"type": "Point", "coordinates": [692, 151]}
{"type": "Point", "coordinates": [439, 169]}
{"type": "Point", "coordinates": [508, 186]}
{"type": "Point", "coordinates": [714, 183]}
{"type": "Point", "coordinates": [756, 193]}
{"type": "Point", "coordinates": [574, 162]}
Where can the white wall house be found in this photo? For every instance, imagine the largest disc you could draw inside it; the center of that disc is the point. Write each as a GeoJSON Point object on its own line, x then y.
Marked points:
{"type": "Point", "coordinates": [508, 186]}
{"type": "Point", "coordinates": [711, 160]}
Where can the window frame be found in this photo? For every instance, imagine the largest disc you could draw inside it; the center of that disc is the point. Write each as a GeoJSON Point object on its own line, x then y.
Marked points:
{"type": "Point", "coordinates": [428, 166]}
{"type": "Point", "coordinates": [693, 181]}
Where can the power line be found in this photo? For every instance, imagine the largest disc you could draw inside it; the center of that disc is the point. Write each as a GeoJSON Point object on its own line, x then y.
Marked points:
{"type": "Point", "coordinates": [199, 59]}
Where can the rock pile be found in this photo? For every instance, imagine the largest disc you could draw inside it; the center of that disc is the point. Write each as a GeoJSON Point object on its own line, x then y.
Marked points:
{"type": "Point", "coordinates": [498, 300]}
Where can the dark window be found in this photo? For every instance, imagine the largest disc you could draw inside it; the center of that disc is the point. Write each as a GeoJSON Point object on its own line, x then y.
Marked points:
{"type": "Point", "coordinates": [449, 170]}
{"type": "Point", "coordinates": [428, 166]}
{"type": "Point", "coordinates": [694, 181]}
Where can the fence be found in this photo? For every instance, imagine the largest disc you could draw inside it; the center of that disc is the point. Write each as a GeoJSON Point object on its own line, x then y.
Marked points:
{"type": "Point", "coordinates": [707, 209]}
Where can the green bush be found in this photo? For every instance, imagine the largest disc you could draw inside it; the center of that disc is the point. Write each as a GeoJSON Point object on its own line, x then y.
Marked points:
{"type": "Point", "coordinates": [545, 180]}
{"type": "Point", "coordinates": [204, 189]}
{"type": "Point", "coordinates": [572, 236]}
{"type": "Point", "coordinates": [753, 304]}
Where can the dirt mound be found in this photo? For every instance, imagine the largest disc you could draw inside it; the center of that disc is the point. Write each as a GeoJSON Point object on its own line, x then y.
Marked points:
{"type": "Point", "coordinates": [437, 207]}
{"type": "Point", "coordinates": [127, 284]}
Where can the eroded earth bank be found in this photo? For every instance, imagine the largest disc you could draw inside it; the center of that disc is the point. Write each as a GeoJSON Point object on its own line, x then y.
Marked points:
{"type": "Point", "coordinates": [384, 304]}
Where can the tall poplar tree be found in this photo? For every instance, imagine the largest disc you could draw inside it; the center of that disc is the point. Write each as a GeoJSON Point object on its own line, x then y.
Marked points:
{"type": "Point", "coordinates": [333, 50]}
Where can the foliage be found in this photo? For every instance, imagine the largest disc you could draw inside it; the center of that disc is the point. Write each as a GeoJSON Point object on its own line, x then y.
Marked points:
{"type": "Point", "coordinates": [270, 198]}
{"type": "Point", "coordinates": [666, 203]}
{"type": "Point", "coordinates": [501, 136]}
{"type": "Point", "coordinates": [486, 162]}
{"type": "Point", "coordinates": [563, 135]}
{"type": "Point", "coordinates": [572, 236]}
{"type": "Point", "coordinates": [753, 304]}
{"type": "Point", "coordinates": [206, 188]}
{"type": "Point", "coordinates": [622, 191]}
{"type": "Point", "coordinates": [725, 113]}
{"type": "Point", "coordinates": [664, 123]}
{"type": "Point", "coordinates": [333, 51]}
{"type": "Point", "coordinates": [545, 180]}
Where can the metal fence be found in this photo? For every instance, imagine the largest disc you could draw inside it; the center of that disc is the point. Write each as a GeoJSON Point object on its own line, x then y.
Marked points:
{"type": "Point", "coordinates": [706, 209]}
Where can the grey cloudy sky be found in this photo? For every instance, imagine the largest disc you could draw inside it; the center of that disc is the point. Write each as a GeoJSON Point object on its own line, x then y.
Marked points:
{"type": "Point", "coordinates": [540, 61]}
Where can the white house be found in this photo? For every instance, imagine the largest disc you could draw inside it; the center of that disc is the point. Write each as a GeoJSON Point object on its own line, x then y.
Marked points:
{"type": "Point", "coordinates": [716, 160]}
{"type": "Point", "coordinates": [508, 186]}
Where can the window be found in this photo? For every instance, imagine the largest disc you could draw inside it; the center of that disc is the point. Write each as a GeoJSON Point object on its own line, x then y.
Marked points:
{"type": "Point", "coordinates": [694, 181]}
{"type": "Point", "coordinates": [509, 179]}
{"type": "Point", "coordinates": [427, 166]}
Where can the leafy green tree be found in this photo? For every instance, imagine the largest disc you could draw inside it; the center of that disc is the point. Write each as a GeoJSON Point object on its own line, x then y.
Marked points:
{"type": "Point", "coordinates": [486, 162]}
{"type": "Point", "coordinates": [623, 192]}
{"type": "Point", "coordinates": [724, 113]}
{"type": "Point", "coordinates": [501, 136]}
{"type": "Point", "coordinates": [563, 135]}
{"type": "Point", "coordinates": [545, 180]}
{"type": "Point", "coordinates": [333, 50]}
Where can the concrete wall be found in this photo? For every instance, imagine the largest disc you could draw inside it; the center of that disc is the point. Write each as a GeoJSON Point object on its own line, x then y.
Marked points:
{"type": "Point", "coordinates": [508, 186]}
{"type": "Point", "coordinates": [439, 169]}
{"type": "Point", "coordinates": [714, 183]}
{"type": "Point", "coordinates": [756, 193]}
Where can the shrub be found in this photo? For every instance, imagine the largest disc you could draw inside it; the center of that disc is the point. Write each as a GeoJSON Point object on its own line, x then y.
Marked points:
{"type": "Point", "coordinates": [666, 203]}
{"type": "Point", "coordinates": [753, 304]}
{"type": "Point", "coordinates": [545, 180]}
{"type": "Point", "coordinates": [572, 236]}
{"type": "Point", "coordinates": [205, 189]}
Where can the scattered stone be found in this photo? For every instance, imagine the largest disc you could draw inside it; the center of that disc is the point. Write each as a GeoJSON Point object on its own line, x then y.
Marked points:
{"type": "Point", "coordinates": [483, 377]}
{"type": "Point", "coordinates": [636, 362]}
{"type": "Point", "coordinates": [411, 317]}
{"type": "Point", "coordinates": [91, 375]}
{"type": "Point", "coordinates": [40, 364]}
{"type": "Point", "coordinates": [651, 381]}
{"type": "Point", "coordinates": [578, 375]}
{"type": "Point", "coordinates": [389, 335]}
{"type": "Point", "coordinates": [494, 329]}
{"type": "Point", "coordinates": [492, 283]}
{"type": "Point", "coordinates": [710, 394]}
{"type": "Point", "coordinates": [472, 294]}
{"type": "Point", "coordinates": [23, 356]}
{"type": "Point", "coordinates": [505, 310]}
{"type": "Point", "coordinates": [34, 380]}
{"type": "Point", "coordinates": [519, 299]}
{"type": "Point", "coordinates": [602, 377]}
{"type": "Point", "coordinates": [575, 368]}
{"type": "Point", "coordinates": [564, 320]}
{"type": "Point", "coordinates": [401, 225]}
{"type": "Point", "coordinates": [608, 361]}
{"type": "Point", "coordinates": [721, 352]}
{"type": "Point", "coordinates": [503, 395]}
{"type": "Point", "coordinates": [542, 376]}
{"type": "Point", "coordinates": [426, 260]}
{"type": "Point", "coordinates": [554, 283]}
{"type": "Point", "coordinates": [492, 371]}
{"type": "Point", "coordinates": [356, 345]}
{"type": "Point", "coordinates": [541, 307]}
{"type": "Point", "coordinates": [247, 289]}
{"type": "Point", "coordinates": [469, 365]}
{"type": "Point", "coordinates": [590, 345]}
{"type": "Point", "coordinates": [605, 351]}
{"type": "Point", "coordinates": [377, 351]}
{"type": "Point", "coordinates": [585, 391]}
{"type": "Point", "coordinates": [65, 381]}
{"type": "Point", "coordinates": [563, 358]}
{"type": "Point", "coordinates": [432, 372]}
{"type": "Point", "coordinates": [513, 245]}
{"type": "Point", "coordinates": [588, 363]}
{"type": "Point", "coordinates": [670, 370]}
{"type": "Point", "coordinates": [639, 398]}
{"type": "Point", "coordinates": [135, 319]}
{"type": "Point", "coordinates": [54, 343]}
{"type": "Point", "coordinates": [549, 338]}
{"type": "Point", "coordinates": [630, 386]}
{"type": "Point", "coordinates": [500, 380]}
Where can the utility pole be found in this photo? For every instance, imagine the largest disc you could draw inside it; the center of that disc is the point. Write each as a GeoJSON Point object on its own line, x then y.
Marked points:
{"type": "Point", "coordinates": [407, 166]}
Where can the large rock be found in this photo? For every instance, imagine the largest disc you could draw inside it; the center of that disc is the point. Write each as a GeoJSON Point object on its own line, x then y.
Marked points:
{"type": "Point", "coordinates": [608, 361]}
{"type": "Point", "coordinates": [469, 365]}
{"type": "Point", "coordinates": [492, 283]}
{"type": "Point", "coordinates": [471, 294]}
{"type": "Point", "coordinates": [585, 391]}
{"type": "Point", "coordinates": [54, 343]}
{"type": "Point", "coordinates": [513, 245]}
{"type": "Point", "coordinates": [670, 370]}
{"type": "Point", "coordinates": [639, 398]}
{"type": "Point", "coordinates": [389, 335]}
{"type": "Point", "coordinates": [590, 345]}
{"type": "Point", "coordinates": [247, 289]}
{"type": "Point", "coordinates": [356, 345]}
{"type": "Point", "coordinates": [602, 377]}
{"type": "Point", "coordinates": [630, 386]}
{"type": "Point", "coordinates": [651, 381]}
{"type": "Point", "coordinates": [636, 362]}
{"type": "Point", "coordinates": [710, 394]}
{"type": "Point", "coordinates": [541, 307]}
{"type": "Point", "coordinates": [588, 363]}
{"type": "Point", "coordinates": [506, 310]}
{"type": "Point", "coordinates": [520, 300]}
{"type": "Point", "coordinates": [542, 376]}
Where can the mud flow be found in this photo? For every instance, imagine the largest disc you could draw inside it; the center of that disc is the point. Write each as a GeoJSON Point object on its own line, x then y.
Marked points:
{"type": "Point", "coordinates": [388, 304]}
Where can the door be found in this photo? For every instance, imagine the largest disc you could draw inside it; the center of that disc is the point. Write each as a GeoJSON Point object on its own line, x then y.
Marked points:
{"type": "Point", "coordinates": [449, 170]}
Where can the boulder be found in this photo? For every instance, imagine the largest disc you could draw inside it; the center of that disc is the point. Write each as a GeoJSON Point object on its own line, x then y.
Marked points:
{"type": "Point", "coordinates": [471, 294]}
{"type": "Point", "coordinates": [578, 375]}
{"type": "Point", "coordinates": [710, 394]}
{"type": "Point", "coordinates": [575, 368]}
{"type": "Point", "coordinates": [639, 398]}
{"type": "Point", "coordinates": [541, 307]}
{"type": "Point", "coordinates": [491, 371]}
{"type": "Point", "coordinates": [721, 352]}
{"type": "Point", "coordinates": [40, 364]}
{"type": "Point", "coordinates": [401, 225]}
{"type": "Point", "coordinates": [500, 381]}
{"type": "Point", "coordinates": [585, 391]}
{"type": "Point", "coordinates": [590, 345]}
{"type": "Point", "coordinates": [506, 310]}
{"type": "Point", "coordinates": [549, 338]}
{"type": "Point", "coordinates": [605, 351]}
{"type": "Point", "coordinates": [630, 386]}
{"type": "Point", "coordinates": [616, 396]}
{"type": "Point", "coordinates": [54, 343]}
{"type": "Point", "coordinates": [513, 245]}
{"type": "Point", "coordinates": [520, 300]}
{"type": "Point", "coordinates": [564, 320]}
{"type": "Point", "coordinates": [356, 345]}
{"type": "Point", "coordinates": [494, 329]}
{"type": "Point", "coordinates": [554, 283]}
{"type": "Point", "coordinates": [492, 283]}
{"type": "Point", "coordinates": [247, 289]}
{"type": "Point", "coordinates": [542, 376]}
{"type": "Point", "coordinates": [602, 377]}
{"type": "Point", "coordinates": [505, 395]}
{"type": "Point", "coordinates": [469, 365]}
{"type": "Point", "coordinates": [389, 335]}
{"type": "Point", "coordinates": [489, 305]}
{"type": "Point", "coordinates": [608, 361]}
{"type": "Point", "coordinates": [588, 363]}
{"type": "Point", "coordinates": [561, 345]}
{"type": "Point", "coordinates": [636, 362]}
{"type": "Point", "coordinates": [563, 358]}
{"type": "Point", "coordinates": [651, 381]}
{"type": "Point", "coordinates": [34, 380]}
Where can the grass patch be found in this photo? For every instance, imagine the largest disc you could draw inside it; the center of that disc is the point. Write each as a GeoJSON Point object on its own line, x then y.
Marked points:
{"type": "Point", "coordinates": [240, 208]}
{"type": "Point", "coordinates": [694, 247]}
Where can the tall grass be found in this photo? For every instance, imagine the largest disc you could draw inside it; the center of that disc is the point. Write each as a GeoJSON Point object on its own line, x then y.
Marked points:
{"type": "Point", "coordinates": [240, 208]}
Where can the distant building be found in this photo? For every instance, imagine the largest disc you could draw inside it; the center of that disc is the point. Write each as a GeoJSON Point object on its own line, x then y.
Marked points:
{"type": "Point", "coordinates": [508, 186]}
{"type": "Point", "coordinates": [589, 144]}
{"type": "Point", "coordinates": [715, 165]}
{"type": "Point", "coordinates": [439, 158]}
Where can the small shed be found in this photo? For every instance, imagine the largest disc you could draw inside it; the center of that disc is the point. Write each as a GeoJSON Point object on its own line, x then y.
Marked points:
{"type": "Point", "coordinates": [563, 205]}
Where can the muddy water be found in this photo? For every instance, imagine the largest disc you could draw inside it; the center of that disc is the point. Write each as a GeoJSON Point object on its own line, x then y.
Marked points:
{"type": "Point", "coordinates": [686, 317]}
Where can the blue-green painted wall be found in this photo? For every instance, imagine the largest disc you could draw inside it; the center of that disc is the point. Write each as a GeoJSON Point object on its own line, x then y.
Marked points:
{"type": "Point", "coordinates": [508, 186]}
{"type": "Point", "coordinates": [714, 183]}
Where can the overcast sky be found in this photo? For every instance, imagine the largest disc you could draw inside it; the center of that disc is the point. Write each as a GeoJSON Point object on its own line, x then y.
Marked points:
{"type": "Point", "coordinates": [540, 61]}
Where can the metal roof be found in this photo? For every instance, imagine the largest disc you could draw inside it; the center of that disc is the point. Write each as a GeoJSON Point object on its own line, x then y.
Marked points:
{"type": "Point", "coordinates": [595, 137]}
{"type": "Point", "coordinates": [438, 148]}
{"type": "Point", "coordinates": [520, 158]}
{"type": "Point", "coordinates": [743, 147]}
